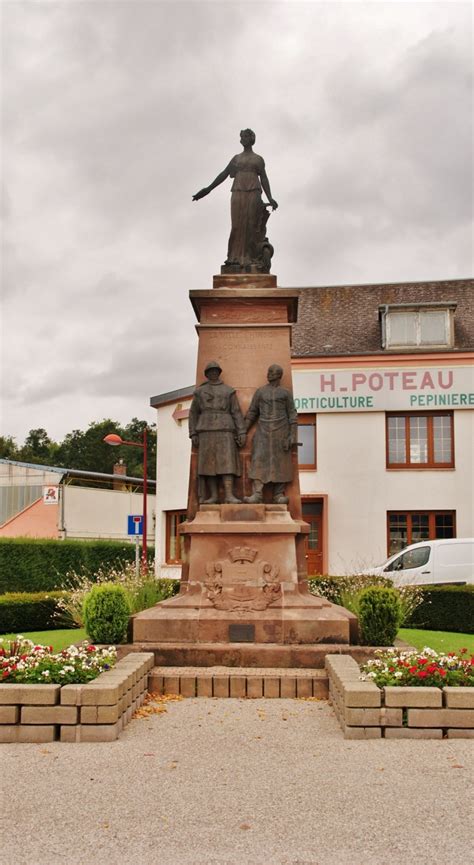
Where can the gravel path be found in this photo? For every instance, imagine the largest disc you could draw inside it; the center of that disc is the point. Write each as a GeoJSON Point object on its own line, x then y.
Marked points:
{"type": "Point", "coordinates": [237, 782]}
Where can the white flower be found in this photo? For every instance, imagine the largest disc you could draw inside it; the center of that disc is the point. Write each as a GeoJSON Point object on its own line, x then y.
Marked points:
{"type": "Point", "coordinates": [398, 675]}
{"type": "Point", "coordinates": [45, 673]}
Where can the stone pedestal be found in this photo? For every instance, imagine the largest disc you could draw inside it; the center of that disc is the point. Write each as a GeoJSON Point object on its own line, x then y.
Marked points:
{"type": "Point", "coordinates": [243, 585]}
{"type": "Point", "coordinates": [244, 574]}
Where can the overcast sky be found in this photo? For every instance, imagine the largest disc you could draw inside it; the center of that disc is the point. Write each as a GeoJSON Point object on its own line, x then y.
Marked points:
{"type": "Point", "coordinates": [115, 113]}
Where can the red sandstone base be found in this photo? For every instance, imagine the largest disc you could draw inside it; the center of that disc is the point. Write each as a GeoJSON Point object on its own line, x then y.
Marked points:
{"type": "Point", "coordinates": [243, 586]}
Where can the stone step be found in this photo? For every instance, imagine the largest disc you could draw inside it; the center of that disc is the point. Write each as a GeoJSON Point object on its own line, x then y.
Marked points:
{"type": "Point", "coordinates": [262, 655]}
{"type": "Point", "coordinates": [251, 682]}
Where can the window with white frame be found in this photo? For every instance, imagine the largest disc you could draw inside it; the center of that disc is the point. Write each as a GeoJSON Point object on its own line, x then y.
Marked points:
{"type": "Point", "coordinates": [410, 327]}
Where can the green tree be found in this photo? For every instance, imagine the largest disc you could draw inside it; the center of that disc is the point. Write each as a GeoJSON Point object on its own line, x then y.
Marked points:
{"type": "Point", "coordinates": [87, 450]}
{"type": "Point", "coordinates": [38, 447]}
{"type": "Point", "coordinates": [8, 448]}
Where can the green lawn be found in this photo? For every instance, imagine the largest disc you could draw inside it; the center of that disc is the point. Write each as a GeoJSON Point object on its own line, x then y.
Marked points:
{"type": "Point", "coordinates": [57, 639]}
{"type": "Point", "coordinates": [440, 641]}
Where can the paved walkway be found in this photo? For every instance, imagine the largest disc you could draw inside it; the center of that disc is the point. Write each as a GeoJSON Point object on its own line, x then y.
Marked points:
{"type": "Point", "coordinates": [237, 782]}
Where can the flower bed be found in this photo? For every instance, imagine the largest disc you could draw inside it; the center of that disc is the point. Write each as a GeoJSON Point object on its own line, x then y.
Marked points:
{"type": "Point", "coordinates": [390, 699]}
{"type": "Point", "coordinates": [22, 661]}
{"type": "Point", "coordinates": [76, 695]}
{"type": "Point", "coordinates": [397, 668]}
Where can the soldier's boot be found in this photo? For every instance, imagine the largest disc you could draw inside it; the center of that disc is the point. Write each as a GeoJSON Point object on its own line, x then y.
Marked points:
{"type": "Point", "coordinates": [257, 494]}
{"type": "Point", "coordinates": [229, 497]}
{"type": "Point", "coordinates": [279, 497]}
{"type": "Point", "coordinates": [212, 490]}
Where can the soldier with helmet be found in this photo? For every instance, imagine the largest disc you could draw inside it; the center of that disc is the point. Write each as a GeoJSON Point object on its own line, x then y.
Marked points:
{"type": "Point", "coordinates": [217, 429]}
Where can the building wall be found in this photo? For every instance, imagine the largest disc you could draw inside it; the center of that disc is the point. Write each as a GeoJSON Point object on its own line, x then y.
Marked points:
{"type": "Point", "coordinates": [96, 513]}
{"type": "Point", "coordinates": [174, 451]}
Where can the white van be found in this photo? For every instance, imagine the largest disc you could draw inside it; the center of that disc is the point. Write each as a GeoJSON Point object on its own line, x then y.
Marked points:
{"type": "Point", "coordinates": [430, 563]}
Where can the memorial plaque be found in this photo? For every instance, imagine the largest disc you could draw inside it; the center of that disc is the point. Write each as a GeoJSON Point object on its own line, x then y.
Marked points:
{"type": "Point", "coordinates": [241, 633]}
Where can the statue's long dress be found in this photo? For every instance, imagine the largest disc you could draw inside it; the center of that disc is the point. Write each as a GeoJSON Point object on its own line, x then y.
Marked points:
{"type": "Point", "coordinates": [245, 208]}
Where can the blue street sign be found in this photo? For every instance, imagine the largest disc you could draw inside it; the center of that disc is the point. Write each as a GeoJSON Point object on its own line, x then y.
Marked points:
{"type": "Point", "coordinates": [135, 524]}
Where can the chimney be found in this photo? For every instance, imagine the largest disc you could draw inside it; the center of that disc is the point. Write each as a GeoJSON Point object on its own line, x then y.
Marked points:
{"type": "Point", "coordinates": [119, 469]}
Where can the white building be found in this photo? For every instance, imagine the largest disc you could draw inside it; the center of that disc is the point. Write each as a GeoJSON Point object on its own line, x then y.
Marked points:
{"type": "Point", "coordinates": [383, 379]}
{"type": "Point", "coordinates": [46, 502]}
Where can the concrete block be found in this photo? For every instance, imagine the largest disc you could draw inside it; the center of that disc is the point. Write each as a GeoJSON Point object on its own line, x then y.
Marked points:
{"type": "Point", "coordinates": [320, 688]}
{"type": "Point", "coordinates": [441, 718]}
{"type": "Point", "coordinates": [287, 686]}
{"type": "Point", "coordinates": [99, 714]}
{"type": "Point", "coordinates": [92, 694]}
{"type": "Point", "coordinates": [188, 686]}
{"type": "Point", "coordinates": [155, 683]}
{"type": "Point", "coordinates": [459, 698]}
{"type": "Point", "coordinates": [411, 733]}
{"type": "Point", "coordinates": [238, 686]}
{"type": "Point", "coordinates": [431, 698]}
{"type": "Point", "coordinates": [460, 734]}
{"type": "Point", "coordinates": [362, 732]}
{"type": "Point", "coordinates": [362, 694]}
{"type": "Point", "coordinates": [204, 686]}
{"type": "Point", "coordinates": [220, 686]}
{"type": "Point", "coordinates": [271, 686]}
{"type": "Point", "coordinates": [90, 733]}
{"type": "Point", "coordinates": [170, 685]}
{"type": "Point", "coordinates": [255, 687]}
{"type": "Point", "coordinates": [304, 686]}
{"type": "Point", "coordinates": [21, 733]}
{"type": "Point", "coordinates": [374, 717]}
{"type": "Point", "coordinates": [9, 714]}
{"type": "Point", "coordinates": [49, 715]}
{"type": "Point", "coordinates": [30, 695]}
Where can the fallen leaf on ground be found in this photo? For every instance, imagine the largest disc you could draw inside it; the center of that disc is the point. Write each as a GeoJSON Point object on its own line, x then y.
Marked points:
{"type": "Point", "coordinates": [457, 766]}
{"type": "Point", "coordinates": [245, 826]}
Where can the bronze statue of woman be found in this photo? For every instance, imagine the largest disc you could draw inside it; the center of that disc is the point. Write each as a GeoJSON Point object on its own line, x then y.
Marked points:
{"type": "Point", "coordinates": [249, 249]}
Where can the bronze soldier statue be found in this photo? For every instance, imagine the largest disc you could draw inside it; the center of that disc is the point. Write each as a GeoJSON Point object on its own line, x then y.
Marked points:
{"type": "Point", "coordinates": [277, 431]}
{"type": "Point", "coordinates": [217, 429]}
{"type": "Point", "coordinates": [249, 249]}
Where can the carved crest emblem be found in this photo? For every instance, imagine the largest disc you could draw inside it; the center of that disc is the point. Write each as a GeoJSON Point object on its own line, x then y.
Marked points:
{"type": "Point", "coordinates": [242, 581]}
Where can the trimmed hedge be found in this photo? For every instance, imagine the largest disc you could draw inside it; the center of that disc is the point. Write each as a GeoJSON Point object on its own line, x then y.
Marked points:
{"type": "Point", "coordinates": [39, 565]}
{"type": "Point", "coordinates": [445, 608]}
{"type": "Point", "coordinates": [21, 612]}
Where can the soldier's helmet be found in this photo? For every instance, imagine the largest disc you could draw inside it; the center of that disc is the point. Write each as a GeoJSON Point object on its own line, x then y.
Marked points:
{"type": "Point", "coordinates": [212, 365]}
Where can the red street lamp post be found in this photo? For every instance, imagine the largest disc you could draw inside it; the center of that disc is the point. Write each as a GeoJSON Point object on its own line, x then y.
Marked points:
{"type": "Point", "coordinates": [115, 440]}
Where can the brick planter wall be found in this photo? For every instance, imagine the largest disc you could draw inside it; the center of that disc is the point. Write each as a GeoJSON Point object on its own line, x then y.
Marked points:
{"type": "Point", "coordinates": [95, 712]}
{"type": "Point", "coordinates": [366, 711]}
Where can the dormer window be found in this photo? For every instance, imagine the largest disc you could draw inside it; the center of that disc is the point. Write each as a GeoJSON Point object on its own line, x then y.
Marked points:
{"type": "Point", "coordinates": [421, 326]}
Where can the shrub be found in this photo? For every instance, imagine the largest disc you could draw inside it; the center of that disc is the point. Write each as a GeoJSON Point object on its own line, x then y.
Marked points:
{"type": "Point", "coordinates": [379, 616]}
{"type": "Point", "coordinates": [106, 613]}
{"type": "Point", "coordinates": [143, 590]}
{"type": "Point", "coordinates": [37, 564]}
{"type": "Point", "coordinates": [347, 591]}
{"type": "Point", "coordinates": [23, 611]}
{"type": "Point", "coordinates": [445, 608]}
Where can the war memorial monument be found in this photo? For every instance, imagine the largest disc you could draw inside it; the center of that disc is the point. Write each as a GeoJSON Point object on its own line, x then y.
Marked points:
{"type": "Point", "coordinates": [244, 599]}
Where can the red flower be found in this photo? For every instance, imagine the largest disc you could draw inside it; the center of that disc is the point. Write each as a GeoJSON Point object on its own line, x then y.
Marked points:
{"type": "Point", "coordinates": [5, 674]}
{"type": "Point", "coordinates": [422, 674]}
{"type": "Point", "coordinates": [412, 670]}
{"type": "Point", "coordinates": [463, 651]}
{"type": "Point", "coordinates": [422, 660]}
{"type": "Point", "coordinates": [91, 648]}
{"type": "Point", "coordinates": [442, 672]}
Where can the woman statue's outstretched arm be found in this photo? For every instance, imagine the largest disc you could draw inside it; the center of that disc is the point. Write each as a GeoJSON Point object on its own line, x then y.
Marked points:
{"type": "Point", "coordinates": [207, 189]}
